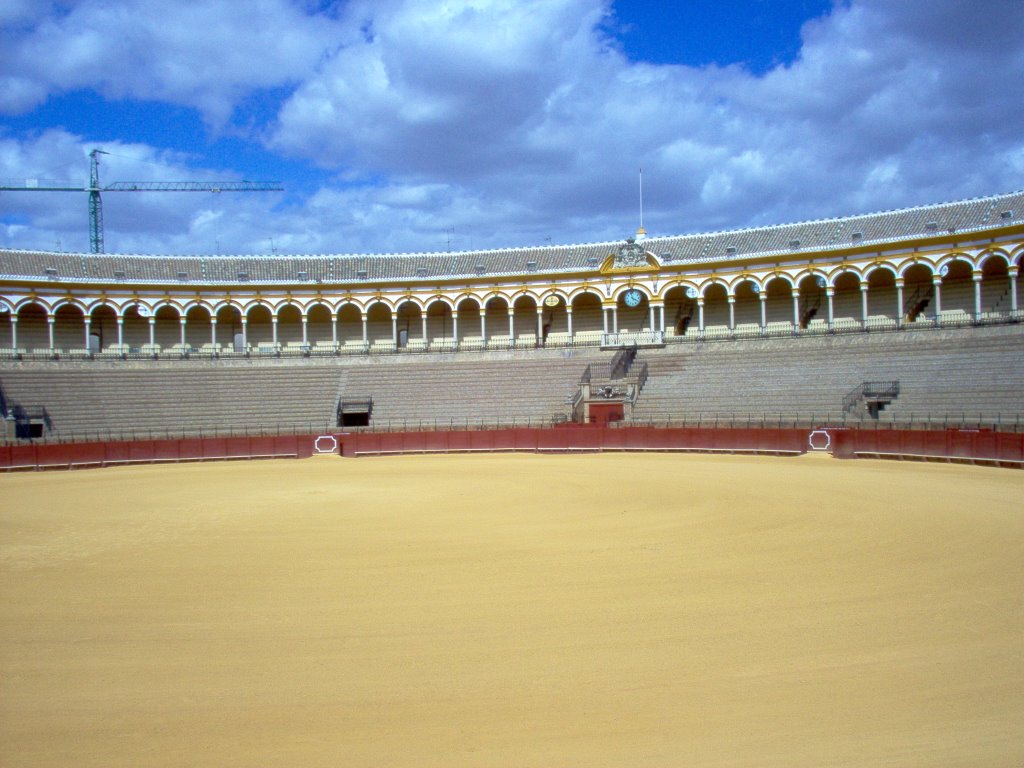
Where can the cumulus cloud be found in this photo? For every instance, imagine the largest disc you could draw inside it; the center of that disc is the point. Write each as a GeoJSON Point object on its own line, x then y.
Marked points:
{"type": "Point", "coordinates": [886, 105]}
{"type": "Point", "coordinates": [488, 123]}
{"type": "Point", "coordinates": [206, 54]}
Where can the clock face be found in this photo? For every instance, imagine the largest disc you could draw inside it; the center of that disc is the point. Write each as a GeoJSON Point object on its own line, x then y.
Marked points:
{"type": "Point", "coordinates": [633, 297]}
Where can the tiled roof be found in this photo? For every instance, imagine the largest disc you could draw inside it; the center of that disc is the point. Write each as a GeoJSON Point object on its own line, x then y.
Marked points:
{"type": "Point", "coordinates": [964, 216]}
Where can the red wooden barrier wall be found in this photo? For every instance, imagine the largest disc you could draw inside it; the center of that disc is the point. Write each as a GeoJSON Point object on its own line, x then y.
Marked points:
{"type": "Point", "coordinates": [956, 444]}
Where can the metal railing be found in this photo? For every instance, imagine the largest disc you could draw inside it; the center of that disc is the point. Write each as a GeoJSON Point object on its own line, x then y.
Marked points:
{"type": "Point", "coordinates": [871, 390]}
{"type": "Point", "coordinates": [1013, 423]}
{"type": "Point", "coordinates": [692, 336]}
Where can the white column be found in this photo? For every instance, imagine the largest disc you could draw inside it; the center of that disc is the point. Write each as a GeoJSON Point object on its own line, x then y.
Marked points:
{"type": "Point", "coordinates": [796, 310]}
{"type": "Point", "coordinates": [483, 324]}
{"type": "Point", "coordinates": [394, 330]}
{"type": "Point", "coordinates": [245, 333]}
{"type": "Point", "coordinates": [864, 305]}
{"type": "Point", "coordinates": [334, 329]}
{"type": "Point", "coordinates": [540, 323]}
{"type": "Point", "coordinates": [213, 331]}
{"type": "Point", "coordinates": [650, 317]}
{"type": "Point", "coordinates": [604, 318]}
{"type": "Point", "coordinates": [977, 294]}
{"type": "Point", "coordinates": [511, 322]}
{"type": "Point", "coordinates": [14, 330]}
{"type": "Point", "coordinates": [88, 330]}
{"type": "Point", "coordinates": [763, 296]}
{"type": "Point", "coordinates": [899, 302]}
{"type": "Point", "coordinates": [273, 329]}
{"type": "Point", "coordinates": [50, 320]}
{"type": "Point", "coordinates": [615, 319]}
{"type": "Point", "coordinates": [829, 293]}
{"type": "Point", "coordinates": [700, 315]}
{"type": "Point", "coordinates": [937, 282]}
{"type": "Point", "coordinates": [305, 330]}
{"type": "Point", "coordinates": [661, 317]}
{"type": "Point", "coordinates": [152, 331]}
{"type": "Point", "coordinates": [568, 317]}
{"type": "Point", "coordinates": [183, 321]}
{"type": "Point", "coordinates": [120, 331]}
{"type": "Point", "coordinates": [1013, 289]}
{"type": "Point", "coordinates": [732, 312]}
{"type": "Point", "coordinates": [366, 330]}
{"type": "Point", "coordinates": [455, 326]}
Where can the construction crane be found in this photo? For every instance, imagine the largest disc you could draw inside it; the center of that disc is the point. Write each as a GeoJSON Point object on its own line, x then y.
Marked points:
{"type": "Point", "coordinates": [96, 202]}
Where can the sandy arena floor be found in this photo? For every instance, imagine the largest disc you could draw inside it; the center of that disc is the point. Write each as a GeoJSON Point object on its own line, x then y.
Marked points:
{"type": "Point", "coordinates": [513, 610]}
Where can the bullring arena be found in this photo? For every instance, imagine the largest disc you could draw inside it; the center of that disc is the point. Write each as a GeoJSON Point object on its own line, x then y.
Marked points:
{"type": "Point", "coordinates": [746, 498]}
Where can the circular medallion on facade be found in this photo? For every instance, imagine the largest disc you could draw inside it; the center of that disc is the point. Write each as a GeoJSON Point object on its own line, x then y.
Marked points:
{"type": "Point", "coordinates": [143, 310]}
{"type": "Point", "coordinates": [551, 301]}
{"type": "Point", "coordinates": [691, 293]}
{"type": "Point", "coordinates": [632, 297]}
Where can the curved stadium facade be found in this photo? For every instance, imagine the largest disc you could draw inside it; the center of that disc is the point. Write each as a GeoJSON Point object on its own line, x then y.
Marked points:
{"type": "Point", "coordinates": [804, 304]}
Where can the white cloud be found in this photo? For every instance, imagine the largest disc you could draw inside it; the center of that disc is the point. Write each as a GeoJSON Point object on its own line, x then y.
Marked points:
{"type": "Point", "coordinates": [494, 122]}
{"type": "Point", "coordinates": [206, 54]}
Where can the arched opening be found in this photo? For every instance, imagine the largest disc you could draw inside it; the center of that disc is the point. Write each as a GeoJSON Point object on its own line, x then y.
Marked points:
{"type": "Point", "coordinates": [410, 326]}
{"type": "Point", "coordinates": [350, 327]}
{"type": "Point", "coordinates": [168, 327]}
{"type": "Point", "coordinates": [587, 323]}
{"type": "Point", "coordinates": [103, 329]}
{"type": "Point", "coordinates": [812, 309]}
{"type": "Point", "coordinates": [779, 305]}
{"type": "Point", "coordinates": [716, 310]}
{"type": "Point", "coordinates": [289, 327]}
{"type": "Point", "coordinates": [995, 284]}
{"type": "Point", "coordinates": [633, 309]}
{"type": "Point", "coordinates": [847, 311]}
{"type": "Point", "coordinates": [259, 328]}
{"type": "Point", "coordinates": [554, 321]}
{"type": "Point", "coordinates": [957, 292]}
{"type": "Point", "coordinates": [496, 322]}
{"type": "Point", "coordinates": [680, 310]}
{"type": "Point", "coordinates": [378, 326]}
{"type": "Point", "coordinates": [747, 310]}
{"type": "Point", "coordinates": [882, 299]}
{"type": "Point", "coordinates": [69, 328]}
{"type": "Point", "coordinates": [467, 331]}
{"type": "Point", "coordinates": [525, 321]}
{"type": "Point", "coordinates": [319, 328]}
{"type": "Point", "coordinates": [32, 331]}
{"type": "Point", "coordinates": [197, 327]}
{"type": "Point", "coordinates": [229, 323]}
{"type": "Point", "coordinates": [439, 324]}
{"type": "Point", "coordinates": [918, 291]}
{"type": "Point", "coordinates": [135, 328]}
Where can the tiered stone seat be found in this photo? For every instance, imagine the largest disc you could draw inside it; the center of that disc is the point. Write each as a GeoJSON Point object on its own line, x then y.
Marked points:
{"type": "Point", "coordinates": [969, 372]}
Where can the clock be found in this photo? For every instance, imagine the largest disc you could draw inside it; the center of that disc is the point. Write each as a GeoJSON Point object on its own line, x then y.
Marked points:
{"type": "Point", "coordinates": [632, 297]}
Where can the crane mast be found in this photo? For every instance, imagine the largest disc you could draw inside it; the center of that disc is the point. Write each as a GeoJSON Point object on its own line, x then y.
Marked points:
{"type": "Point", "coordinates": [95, 188]}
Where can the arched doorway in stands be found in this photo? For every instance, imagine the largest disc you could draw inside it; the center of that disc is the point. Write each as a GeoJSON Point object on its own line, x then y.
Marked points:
{"type": "Point", "coordinates": [680, 310]}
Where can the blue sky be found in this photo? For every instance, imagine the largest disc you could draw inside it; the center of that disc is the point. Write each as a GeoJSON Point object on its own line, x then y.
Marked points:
{"type": "Point", "coordinates": [419, 125]}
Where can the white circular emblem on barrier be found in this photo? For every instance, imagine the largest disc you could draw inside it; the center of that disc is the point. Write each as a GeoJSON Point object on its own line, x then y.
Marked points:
{"type": "Point", "coordinates": [326, 444]}
{"type": "Point", "coordinates": [815, 440]}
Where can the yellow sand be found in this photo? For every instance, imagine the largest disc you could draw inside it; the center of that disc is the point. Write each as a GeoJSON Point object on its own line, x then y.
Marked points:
{"type": "Point", "coordinates": [606, 610]}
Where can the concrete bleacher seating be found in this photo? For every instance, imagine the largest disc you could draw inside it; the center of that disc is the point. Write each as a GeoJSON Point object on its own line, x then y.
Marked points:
{"type": "Point", "coordinates": [974, 373]}
{"type": "Point", "coordinates": [957, 373]}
